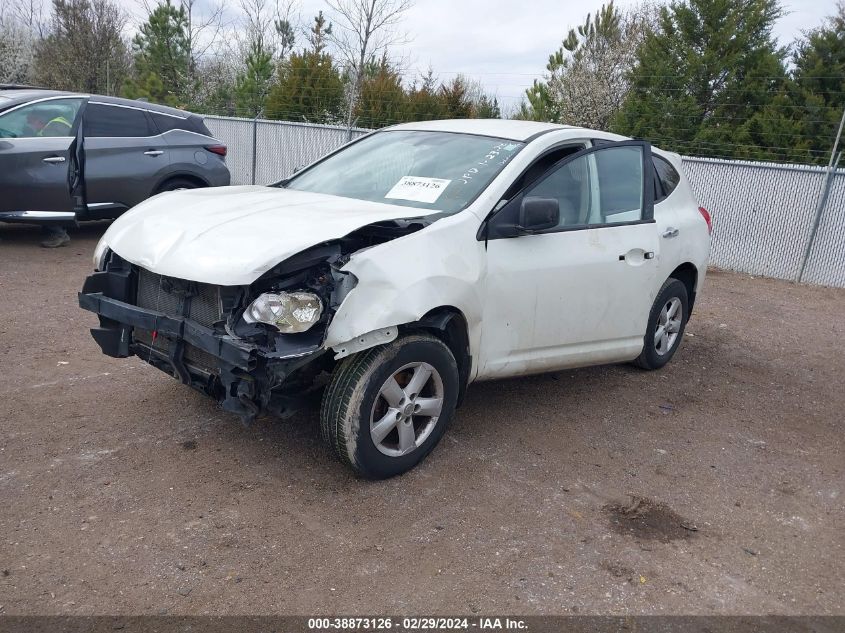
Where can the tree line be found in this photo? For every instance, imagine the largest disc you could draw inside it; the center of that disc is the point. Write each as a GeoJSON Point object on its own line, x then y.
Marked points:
{"type": "Point", "coordinates": [265, 63]}
{"type": "Point", "coordinates": [702, 77]}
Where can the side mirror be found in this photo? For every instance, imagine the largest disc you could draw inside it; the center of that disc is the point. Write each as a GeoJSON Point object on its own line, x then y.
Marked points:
{"type": "Point", "coordinates": [538, 214]}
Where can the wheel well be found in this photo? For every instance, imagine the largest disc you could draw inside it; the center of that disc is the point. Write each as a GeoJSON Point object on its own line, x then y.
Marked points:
{"type": "Point", "coordinates": [199, 182]}
{"type": "Point", "coordinates": [687, 274]}
{"type": "Point", "coordinates": [449, 325]}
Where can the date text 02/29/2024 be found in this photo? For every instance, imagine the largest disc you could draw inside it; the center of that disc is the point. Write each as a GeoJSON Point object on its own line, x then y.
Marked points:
{"type": "Point", "coordinates": [416, 624]}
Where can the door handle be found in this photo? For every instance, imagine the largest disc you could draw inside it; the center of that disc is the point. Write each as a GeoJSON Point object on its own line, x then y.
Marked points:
{"type": "Point", "coordinates": [54, 159]}
{"type": "Point", "coordinates": [671, 232]}
{"type": "Point", "coordinates": [153, 152]}
{"type": "Point", "coordinates": [635, 257]}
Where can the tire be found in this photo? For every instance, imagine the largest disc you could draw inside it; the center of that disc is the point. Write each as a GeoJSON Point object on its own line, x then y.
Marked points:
{"type": "Point", "coordinates": [656, 353]}
{"type": "Point", "coordinates": [175, 184]}
{"type": "Point", "coordinates": [355, 400]}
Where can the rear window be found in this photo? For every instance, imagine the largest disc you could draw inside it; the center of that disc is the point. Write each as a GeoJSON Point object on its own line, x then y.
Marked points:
{"type": "Point", "coordinates": [115, 121]}
{"type": "Point", "coordinates": [667, 177]}
{"type": "Point", "coordinates": [165, 123]}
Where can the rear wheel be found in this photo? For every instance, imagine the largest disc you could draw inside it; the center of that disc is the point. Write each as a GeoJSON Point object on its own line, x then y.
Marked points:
{"type": "Point", "coordinates": [387, 407]}
{"type": "Point", "coordinates": [666, 325]}
{"type": "Point", "coordinates": [177, 184]}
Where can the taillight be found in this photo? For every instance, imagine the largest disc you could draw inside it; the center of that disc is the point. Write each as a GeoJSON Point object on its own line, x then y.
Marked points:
{"type": "Point", "coordinates": [706, 215]}
{"type": "Point", "coordinates": [220, 150]}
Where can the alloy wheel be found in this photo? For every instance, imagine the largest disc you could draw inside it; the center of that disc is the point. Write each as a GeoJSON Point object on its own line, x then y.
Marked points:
{"type": "Point", "coordinates": [406, 409]}
{"type": "Point", "coordinates": [668, 326]}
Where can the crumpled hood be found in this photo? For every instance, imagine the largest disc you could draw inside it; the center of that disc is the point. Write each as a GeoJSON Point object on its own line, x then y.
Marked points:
{"type": "Point", "coordinates": [232, 235]}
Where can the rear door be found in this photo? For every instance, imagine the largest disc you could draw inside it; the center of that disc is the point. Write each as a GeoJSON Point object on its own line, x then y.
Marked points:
{"type": "Point", "coordinates": [125, 155]}
{"type": "Point", "coordinates": [34, 143]}
{"type": "Point", "coordinates": [578, 293]}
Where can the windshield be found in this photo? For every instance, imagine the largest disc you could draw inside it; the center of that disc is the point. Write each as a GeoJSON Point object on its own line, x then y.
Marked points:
{"type": "Point", "coordinates": [437, 171]}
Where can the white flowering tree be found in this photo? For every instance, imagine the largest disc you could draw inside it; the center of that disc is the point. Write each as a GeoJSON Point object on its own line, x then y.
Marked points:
{"type": "Point", "coordinates": [587, 78]}
{"type": "Point", "coordinates": [17, 39]}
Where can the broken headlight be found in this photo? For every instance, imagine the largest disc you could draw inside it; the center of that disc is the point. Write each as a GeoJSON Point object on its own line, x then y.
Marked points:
{"type": "Point", "coordinates": [290, 312]}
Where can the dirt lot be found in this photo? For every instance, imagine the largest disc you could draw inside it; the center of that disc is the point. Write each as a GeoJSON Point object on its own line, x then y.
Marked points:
{"type": "Point", "coordinates": [714, 486]}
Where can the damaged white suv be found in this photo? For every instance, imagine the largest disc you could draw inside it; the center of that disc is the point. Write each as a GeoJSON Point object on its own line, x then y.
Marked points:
{"type": "Point", "coordinates": [403, 267]}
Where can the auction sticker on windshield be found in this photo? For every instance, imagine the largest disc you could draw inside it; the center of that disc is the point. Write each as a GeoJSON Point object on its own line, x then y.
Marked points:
{"type": "Point", "coordinates": [418, 189]}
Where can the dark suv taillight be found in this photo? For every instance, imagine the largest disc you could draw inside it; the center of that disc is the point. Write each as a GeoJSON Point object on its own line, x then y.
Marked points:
{"type": "Point", "coordinates": [220, 150]}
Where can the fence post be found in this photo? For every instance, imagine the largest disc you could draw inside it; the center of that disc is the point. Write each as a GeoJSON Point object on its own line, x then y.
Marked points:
{"type": "Point", "coordinates": [828, 181]}
{"type": "Point", "coordinates": [254, 146]}
{"type": "Point", "coordinates": [831, 171]}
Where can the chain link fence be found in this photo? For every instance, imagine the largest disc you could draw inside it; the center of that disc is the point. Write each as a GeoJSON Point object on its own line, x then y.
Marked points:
{"type": "Point", "coordinates": [263, 151]}
{"type": "Point", "coordinates": [764, 214]}
{"type": "Point", "coordinates": [767, 218]}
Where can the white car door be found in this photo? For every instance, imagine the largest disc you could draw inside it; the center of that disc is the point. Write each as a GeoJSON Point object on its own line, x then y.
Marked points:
{"type": "Point", "coordinates": [579, 292]}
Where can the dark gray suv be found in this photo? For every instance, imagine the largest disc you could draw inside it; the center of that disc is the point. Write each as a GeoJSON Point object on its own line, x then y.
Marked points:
{"type": "Point", "coordinates": [66, 157]}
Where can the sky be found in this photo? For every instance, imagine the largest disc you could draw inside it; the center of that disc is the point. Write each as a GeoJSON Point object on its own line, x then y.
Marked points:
{"type": "Point", "coordinates": [506, 44]}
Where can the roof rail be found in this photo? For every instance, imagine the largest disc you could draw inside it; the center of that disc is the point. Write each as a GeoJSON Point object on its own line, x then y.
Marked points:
{"type": "Point", "coordinates": [20, 87]}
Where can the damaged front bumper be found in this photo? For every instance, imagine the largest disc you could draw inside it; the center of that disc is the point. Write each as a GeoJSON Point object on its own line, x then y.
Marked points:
{"type": "Point", "coordinates": [244, 377]}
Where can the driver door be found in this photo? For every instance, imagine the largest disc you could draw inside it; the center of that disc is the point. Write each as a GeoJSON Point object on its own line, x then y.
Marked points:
{"type": "Point", "coordinates": [34, 162]}
{"type": "Point", "coordinates": [578, 293]}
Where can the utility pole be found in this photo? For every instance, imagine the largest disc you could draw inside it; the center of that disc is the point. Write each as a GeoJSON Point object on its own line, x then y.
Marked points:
{"type": "Point", "coordinates": [828, 181]}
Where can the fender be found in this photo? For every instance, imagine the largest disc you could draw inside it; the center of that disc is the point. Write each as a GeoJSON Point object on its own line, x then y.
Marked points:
{"type": "Point", "coordinates": [404, 281]}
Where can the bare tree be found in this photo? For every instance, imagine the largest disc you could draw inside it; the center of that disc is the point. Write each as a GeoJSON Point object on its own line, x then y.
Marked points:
{"type": "Point", "coordinates": [204, 28]}
{"type": "Point", "coordinates": [265, 39]}
{"type": "Point", "coordinates": [268, 25]}
{"type": "Point", "coordinates": [84, 48]}
{"type": "Point", "coordinates": [366, 29]}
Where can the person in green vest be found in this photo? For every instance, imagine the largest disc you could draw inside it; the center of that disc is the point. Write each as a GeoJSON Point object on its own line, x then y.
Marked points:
{"type": "Point", "coordinates": [45, 123]}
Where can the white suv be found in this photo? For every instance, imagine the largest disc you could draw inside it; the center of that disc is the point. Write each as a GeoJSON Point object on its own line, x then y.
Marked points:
{"type": "Point", "coordinates": [402, 267]}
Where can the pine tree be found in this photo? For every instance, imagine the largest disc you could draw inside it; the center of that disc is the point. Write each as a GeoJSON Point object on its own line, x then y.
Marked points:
{"type": "Point", "coordinates": [309, 86]}
{"type": "Point", "coordinates": [818, 99]}
{"type": "Point", "coordinates": [706, 80]}
{"type": "Point", "coordinates": [253, 84]}
{"type": "Point", "coordinates": [486, 108]}
{"type": "Point", "coordinates": [456, 99]}
{"type": "Point", "coordinates": [319, 33]}
{"type": "Point", "coordinates": [382, 100]}
{"type": "Point", "coordinates": [162, 56]}
{"type": "Point", "coordinates": [267, 45]}
{"type": "Point", "coordinates": [422, 101]}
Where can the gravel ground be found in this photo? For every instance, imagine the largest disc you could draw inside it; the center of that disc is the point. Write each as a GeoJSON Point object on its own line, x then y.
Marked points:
{"type": "Point", "coordinates": [713, 486]}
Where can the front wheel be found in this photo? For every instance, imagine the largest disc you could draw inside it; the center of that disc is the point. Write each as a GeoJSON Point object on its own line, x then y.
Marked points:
{"type": "Point", "coordinates": [386, 408]}
{"type": "Point", "coordinates": [666, 325]}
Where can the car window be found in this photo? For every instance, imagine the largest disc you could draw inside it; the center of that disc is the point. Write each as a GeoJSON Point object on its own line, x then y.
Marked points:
{"type": "Point", "coordinates": [570, 184]}
{"type": "Point", "coordinates": [115, 121]}
{"type": "Point", "coordinates": [602, 187]}
{"type": "Point", "coordinates": [620, 183]}
{"type": "Point", "coordinates": [666, 175]}
{"type": "Point", "coordinates": [436, 171]}
{"type": "Point", "coordinates": [539, 167]}
{"type": "Point", "coordinates": [165, 123]}
{"type": "Point", "coordinates": [44, 118]}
